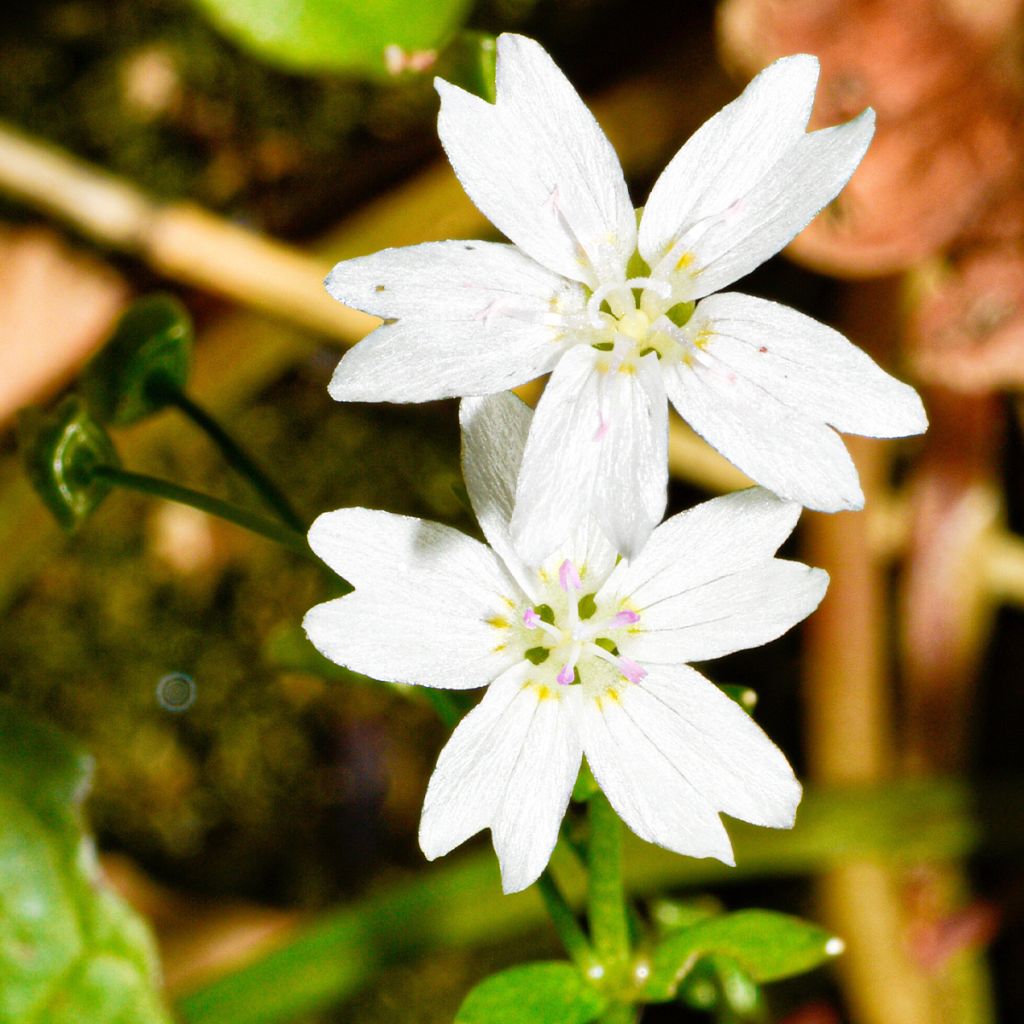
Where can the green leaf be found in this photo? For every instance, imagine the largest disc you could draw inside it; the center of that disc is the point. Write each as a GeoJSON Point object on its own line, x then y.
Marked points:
{"type": "Point", "coordinates": [542, 993]}
{"type": "Point", "coordinates": [766, 945]}
{"type": "Point", "coordinates": [145, 359]}
{"type": "Point", "coordinates": [334, 35]}
{"type": "Point", "coordinates": [70, 950]}
{"type": "Point", "coordinates": [59, 451]}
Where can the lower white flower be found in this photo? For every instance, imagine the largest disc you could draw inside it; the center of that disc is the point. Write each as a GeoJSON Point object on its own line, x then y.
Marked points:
{"type": "Point", "coordinates": [583, 656]}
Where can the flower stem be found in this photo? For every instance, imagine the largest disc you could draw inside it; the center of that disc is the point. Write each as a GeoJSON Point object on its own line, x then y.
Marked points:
{"type": "Point", "coordinates": [237, 457]}
{"type": "Point", "coordinates": [609, 920]}
{"type": "Point", "coordinates": [447, 708]}
{"type": "Point", "coordinates": [158, 488]}
{"type": "Point", "coordinates": [564, 920]}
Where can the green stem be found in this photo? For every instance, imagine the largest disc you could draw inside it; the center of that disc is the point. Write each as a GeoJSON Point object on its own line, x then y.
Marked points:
{"type": "Point", "coordinates": [609, 918]}
{"type": "Point", "coordinates": [564, 920]}
{"type": "Point", "coordinates": [458, 904]}
{"type": "Point", "coordinates": [238, 458]}
{"type": "Point", "coordinates": [205, 503]}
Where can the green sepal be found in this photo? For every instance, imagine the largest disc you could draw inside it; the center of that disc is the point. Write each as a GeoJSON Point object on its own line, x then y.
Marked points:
{"type": "Point", "coordinates": [60, 450]}
{"type": "Point", "coordinates": [680, 313]}
{"type": "Point", "coordinates": [462, 496]}
{"type": "Point", "coordinates": [742, 695]}
{"type": "Point", "coordinates": [765, 944]}
{"type": "Point", "coordinates": [70, 949]}
{"type": "Point", "coordinates": [586, 785]}
{"type": "Point", "coordinates": [552, 992]}
{"type": "Point", "coordinates": [147, 357]}
{"type": "Point", "coordinates": [470, 61]}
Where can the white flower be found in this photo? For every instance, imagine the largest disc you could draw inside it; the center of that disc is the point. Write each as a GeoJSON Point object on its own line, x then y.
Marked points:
{"type": "Point", "coordinates": [582, 656]}
{"type": "Point", "coordinates": [609, 308]}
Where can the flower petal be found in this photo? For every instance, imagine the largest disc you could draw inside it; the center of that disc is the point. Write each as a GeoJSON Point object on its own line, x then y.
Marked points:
{"type": "Point", "coordinates": [807, 366]}
{"type": "Point", "coordinates": [757, 225]}
{"type": "Point", "coordinates": [597, 446]}
{"type": "Point", "coordinates": [534, 802]}
{"type": "Point", "coordinates": [539, 167]}
{"type": "Point", "coordinates": [713, 744]}
{"type": "Point", "coordinates": [732, 613]}
{"type": "Point", "coordinates": [465, 789]}
{"type": "Point", "coordinates": [716, 538]}
{"type": "Point", "coordinates": [430, 604]}
{"type": "Point", "coordinates": [646, 788]}
{"type": "Point", "coordinates": [776, 446]}
{"type": "Point", "coordinates": [730, 153]}
{"type": "Point", "coordinates": [510, 765]}
{"type": "Point", "coordinates": [747, 182]}
{"type": "Point", "coordinates": [472, 318]}
{"type": "Point", "coordinates": [494, 432]}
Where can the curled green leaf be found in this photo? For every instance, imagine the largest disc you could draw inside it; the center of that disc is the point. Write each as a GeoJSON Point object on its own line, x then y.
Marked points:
{"type": "Point", "coordinates": [764, 944]}
{"type": "Point", "coordinates": [552, 992]}
{"type": "Point", "coordinates": [146, 360]}
{"type": "Point", "coordinates": [60, 451]}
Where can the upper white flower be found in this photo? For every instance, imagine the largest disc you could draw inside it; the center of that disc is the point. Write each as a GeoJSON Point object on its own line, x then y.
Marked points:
{"type": "Point", "coordinates": [583, 655]}
{"type": "Point", "coordinates": [609, 307]}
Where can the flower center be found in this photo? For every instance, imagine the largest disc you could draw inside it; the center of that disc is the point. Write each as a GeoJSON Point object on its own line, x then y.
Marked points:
{"type": "Point", "coordinates": [635, 318]}
{"type": "Point", "coordinates": [579, 633]}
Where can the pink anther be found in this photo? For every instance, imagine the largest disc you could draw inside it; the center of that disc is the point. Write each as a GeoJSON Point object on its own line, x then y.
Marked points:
{"type": "Point", "coordinates": [631, 670]}
{"type": "Point", "coordinates": [625, 618]}
{"type": "Point", "coordinates": [568, 577]}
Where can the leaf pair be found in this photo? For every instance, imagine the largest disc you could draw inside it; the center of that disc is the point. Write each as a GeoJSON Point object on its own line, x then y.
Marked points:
{"type": "Point", "coordinates": [746, 948]}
